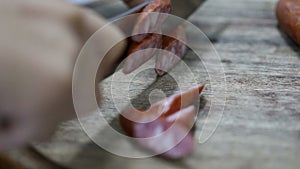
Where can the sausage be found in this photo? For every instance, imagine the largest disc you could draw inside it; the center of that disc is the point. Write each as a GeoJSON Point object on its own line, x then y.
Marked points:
{"type": "Point", "coordinates": [177, 48]}
{"type": "Point", "coordinates": [177, 143]}
{"type": "Point", "coordinates": [131, 118]}
{"type": "Point", "coordinates": [180, 100]}
{"type": "Point", "coordinates": [146, 22]}
{"type": "Point", "coordinates": [287, 13]}
{"type": "Point", "coordinates": [174, 144]}
{"type": "Point", "coordinates": [135, 59]}
{"type": "Point", "coordinates": [164, 108]}
{"type": "Point", "coordinates": [186, 117]}
{"type": "Point", "coordinates": [150, 23]}
{"type": "Point", "coordinates": [184, 148]}
{"type": "Point", "coordinates": [176, 111]}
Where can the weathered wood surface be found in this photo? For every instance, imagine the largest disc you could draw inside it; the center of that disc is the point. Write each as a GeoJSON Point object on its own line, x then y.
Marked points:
{"type": "Point", "coordinates": [260, 127]}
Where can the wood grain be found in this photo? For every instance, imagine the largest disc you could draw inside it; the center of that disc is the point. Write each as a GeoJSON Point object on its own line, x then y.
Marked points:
{"type": "Point", "coordinates": [260, 127]}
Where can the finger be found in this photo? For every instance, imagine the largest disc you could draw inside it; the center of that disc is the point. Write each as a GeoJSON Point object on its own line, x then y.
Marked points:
{"type": "Point", "coordinates": [24, 131]}
{"type": "Point", "coordinates": [87, 22]}
{"type": "Point", "coordinates": [13, 138]}
{"type": "Point", "coordinates": [106, 37]}
{"type": "Point", "coordinates": [83, 22]}
{"type": "Point", "coordinates": [104, 46]}
{"type": "Point", "coordinates": [12, 135]}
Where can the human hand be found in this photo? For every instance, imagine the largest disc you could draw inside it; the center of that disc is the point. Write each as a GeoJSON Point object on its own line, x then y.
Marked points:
{"type": "Point", "coordinates": [40, 41]}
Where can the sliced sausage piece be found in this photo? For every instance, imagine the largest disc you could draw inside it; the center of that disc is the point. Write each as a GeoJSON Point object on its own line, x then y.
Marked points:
{"type": "Point", "coordinates": [151, 22]}
{"type": "Point", "coordinates": [288, 15]}
{"type": "Point", "coordinates": [177, 48]}
{"type": "Point", "coordinates": [175, 115]}
{"type": "Point", "coordinates": [135, 58]}
{"type": "Point", "coordinates": [174, 143]}
{"type": "Point", "coordinates": [179, 101]}
{"type": "Point", "coordinates": [130, 118]}
{"type": "Point", "coordinates": [186, 117]}
{"type": "Point", "coordinates": [165, 108]}
{"type": "Point", "coordinates": [185, 146]}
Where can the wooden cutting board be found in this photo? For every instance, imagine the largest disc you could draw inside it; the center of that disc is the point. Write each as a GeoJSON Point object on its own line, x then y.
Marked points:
{"type": "Point", "coordinates": [260, 127]}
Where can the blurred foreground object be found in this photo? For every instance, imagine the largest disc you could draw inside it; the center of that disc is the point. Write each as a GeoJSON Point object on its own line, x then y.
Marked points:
{"type": "Point", "coordinates": [287, 12]}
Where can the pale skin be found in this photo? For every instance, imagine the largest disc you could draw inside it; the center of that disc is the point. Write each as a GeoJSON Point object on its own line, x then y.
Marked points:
{"type": "Point", "coordinates": [40, 41]}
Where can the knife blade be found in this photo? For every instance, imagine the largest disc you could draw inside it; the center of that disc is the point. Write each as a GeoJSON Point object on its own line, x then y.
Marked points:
{"type": "Point", "coordinates": [113, 9]}
{"type": "Point", "coordinates": [130, 11]}
{"type": "Point", "coordinates": [184, 8]}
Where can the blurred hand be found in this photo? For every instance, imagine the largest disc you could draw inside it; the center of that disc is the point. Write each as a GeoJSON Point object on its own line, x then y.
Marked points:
{"type": "Point", "coordinates": [40, 41]}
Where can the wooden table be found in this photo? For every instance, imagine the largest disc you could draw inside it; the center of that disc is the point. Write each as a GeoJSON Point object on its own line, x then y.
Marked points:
{"type": "Point", "coordinates": [260, 127]}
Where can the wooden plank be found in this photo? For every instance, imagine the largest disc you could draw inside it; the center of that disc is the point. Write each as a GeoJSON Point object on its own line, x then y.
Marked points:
{"type": "Point", "coordinates": [261, 121]}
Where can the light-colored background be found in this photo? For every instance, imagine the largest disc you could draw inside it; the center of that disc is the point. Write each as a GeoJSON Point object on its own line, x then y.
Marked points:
{"type": "Point", "coordinates": [261, 122]}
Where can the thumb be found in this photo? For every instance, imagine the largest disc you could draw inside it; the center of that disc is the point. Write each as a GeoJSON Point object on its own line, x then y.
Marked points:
{"type": "Point", "coordinates": [104, 37]}
{"type": "Point", "coordinates": [98, 56]}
